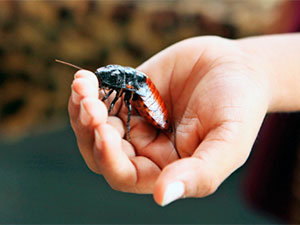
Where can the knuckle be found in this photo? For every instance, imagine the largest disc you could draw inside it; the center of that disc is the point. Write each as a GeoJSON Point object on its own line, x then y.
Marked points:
{"type": "Point", "coordinates": [121, 185]}
{"type": "Point", "coordinates": [121, 180]}
{"type": "Point", "coordinates": [76, 82]}
{"type": "Point", "coordinates": [208, 185]}
{"type": "Point", "coordinates": [84, 86]}
{"type": "Point", "coordinates": [94, 169]}
{"type": "Point", "coordinates": [208, 180]}
{"type": "Point", "coordinates": [211, 186]}
{"type": "Point", "coordinates": [117, 187]}
{"type": "Point", "coordinates": [73, 111]}
{"type": "Point", "coordinates": [114, 187]}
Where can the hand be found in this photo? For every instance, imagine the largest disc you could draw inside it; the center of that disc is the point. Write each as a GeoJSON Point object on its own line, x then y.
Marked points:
{"type": "Point", "coordinates": [217, 96]}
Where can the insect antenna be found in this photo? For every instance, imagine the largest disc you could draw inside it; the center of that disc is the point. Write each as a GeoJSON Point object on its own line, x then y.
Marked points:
{"type": "Point", "coordinates": [68, 64]}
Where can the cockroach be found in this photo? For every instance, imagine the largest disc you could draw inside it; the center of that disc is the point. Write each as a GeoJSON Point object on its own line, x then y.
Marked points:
{"type": "Point", "coordinates": [138, 91]}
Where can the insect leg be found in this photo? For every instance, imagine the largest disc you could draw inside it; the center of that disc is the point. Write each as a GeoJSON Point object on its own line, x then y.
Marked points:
{"type": "Point", "coordinates": [118, 95]}
{"type": "Point", "coordinates": [127, 98]}
{"type": "Point", "coordinates": [107, 95]}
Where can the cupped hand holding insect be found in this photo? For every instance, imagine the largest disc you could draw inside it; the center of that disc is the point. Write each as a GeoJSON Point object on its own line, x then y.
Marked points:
{"type": "Point", "coordinates": [217, 92]}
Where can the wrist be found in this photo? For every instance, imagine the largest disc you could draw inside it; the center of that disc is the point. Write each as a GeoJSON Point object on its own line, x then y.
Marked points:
{"type": "Point", "coordinates": [261, 71]}
{"type": "Point", "coordinates": [277, 56]}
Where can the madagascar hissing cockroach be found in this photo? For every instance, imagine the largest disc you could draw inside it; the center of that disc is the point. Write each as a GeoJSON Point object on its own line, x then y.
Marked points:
{"type": "Point", "coordinates": [138, 91]}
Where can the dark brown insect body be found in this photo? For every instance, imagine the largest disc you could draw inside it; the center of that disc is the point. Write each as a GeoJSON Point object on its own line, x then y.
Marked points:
{"type": "Point", "coordinates": [138, 90]}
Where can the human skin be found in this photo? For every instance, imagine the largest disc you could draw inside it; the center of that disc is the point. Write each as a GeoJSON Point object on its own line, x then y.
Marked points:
{"type": "Point", "coordinates": [217, 92]}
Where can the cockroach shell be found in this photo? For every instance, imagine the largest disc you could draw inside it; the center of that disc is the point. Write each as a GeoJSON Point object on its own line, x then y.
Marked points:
{"type": "Point", "coordinates": [152, 107]}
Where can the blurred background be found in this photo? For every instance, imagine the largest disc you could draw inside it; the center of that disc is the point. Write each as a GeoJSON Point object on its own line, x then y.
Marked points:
{"type": "Point", "coordinates": [43, 177]}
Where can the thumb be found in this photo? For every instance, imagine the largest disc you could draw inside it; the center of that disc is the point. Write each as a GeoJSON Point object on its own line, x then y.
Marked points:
{"type": "Point", "coordinates": [188, 177]}
{"type": "Point", "coordinates": [222, 151]}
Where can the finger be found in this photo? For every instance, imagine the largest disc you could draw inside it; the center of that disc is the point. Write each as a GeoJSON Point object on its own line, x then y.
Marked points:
{"type": "Point", "coordinates": [224, 150]}
{"type": "Point", "coordinates": [79, 92]}
{"type": "Point", "coordinates": [134, 174]}
{"type": "Point", "coordinates": [112, 161]}
{"type": "Point", "coordinates": [148, 141]}
{"type": "Point", "coordinates": [147, 174]}
{"type": "Point", "coordinates": [128, 149]}
{"type": "Point", "coordinates": [151, 143]}
{"type": "Point", "coordinates": [87, 88]}
{"type": "Point", "coordinates": [84, 85]}
{"type": "Point", "coordinates": [92, 112]}
{"type": "Point", "coordinates": [117, 123]}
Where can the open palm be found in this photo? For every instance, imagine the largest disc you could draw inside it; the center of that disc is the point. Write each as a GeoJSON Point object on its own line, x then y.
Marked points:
{"type": "Point", "coordinates": [216, 98]}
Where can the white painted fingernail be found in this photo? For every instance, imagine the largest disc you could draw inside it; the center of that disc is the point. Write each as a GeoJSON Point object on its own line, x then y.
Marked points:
{"type": "Point", "coordinates": [98, 140]}
{"type": "Point", "coordinates": [76, 97]}
{"type": "Point", "coordinates": [173, 192]}
{"type": "Point", "coordinates": [85, 118]}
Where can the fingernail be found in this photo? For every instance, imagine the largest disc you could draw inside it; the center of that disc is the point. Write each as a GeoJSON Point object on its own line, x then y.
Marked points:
{"type": "Point", "coordinates": [76, 97]}
{"type": "Point", "coordinates": [85, 118]}
{"type": "Point", "coordinates": [173, 192]}
{"type": "Point", "coordinates": [98, 140]}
